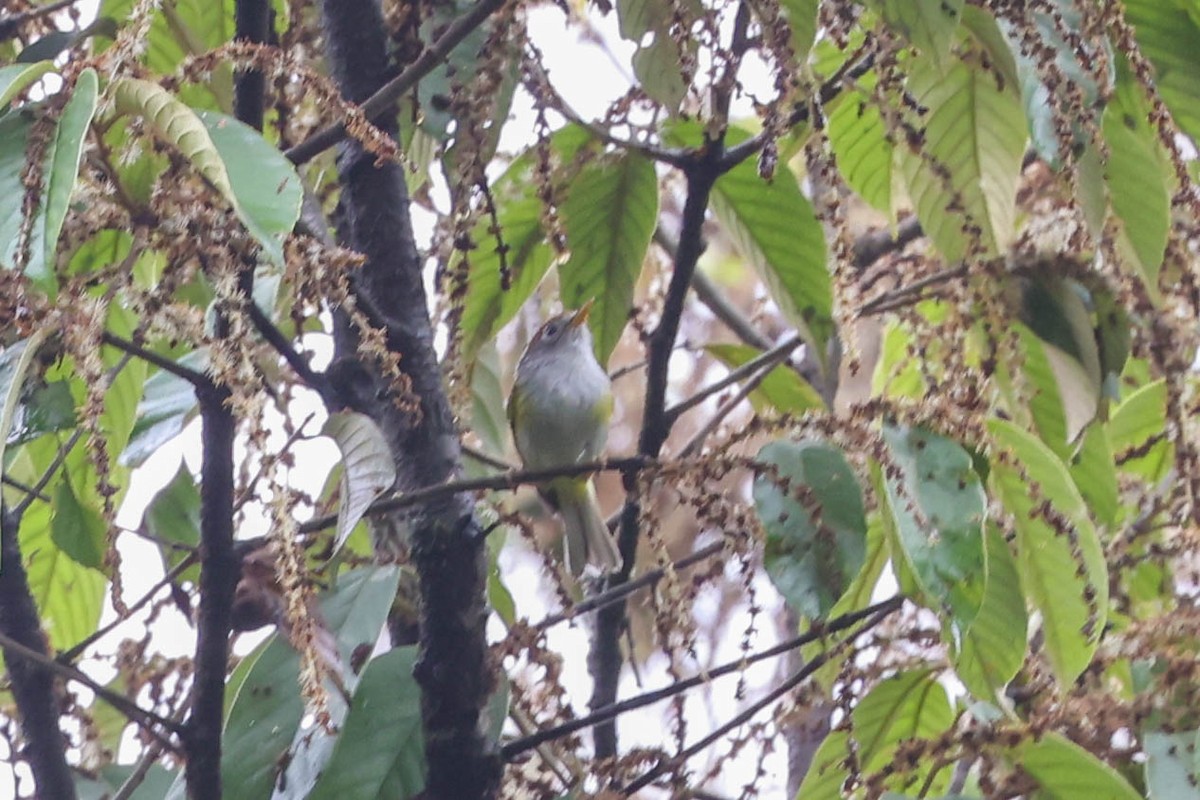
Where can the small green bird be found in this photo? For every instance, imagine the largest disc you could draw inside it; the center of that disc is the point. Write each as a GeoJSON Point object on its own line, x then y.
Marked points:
{"type": "Point", "coordinates": [559, 411]}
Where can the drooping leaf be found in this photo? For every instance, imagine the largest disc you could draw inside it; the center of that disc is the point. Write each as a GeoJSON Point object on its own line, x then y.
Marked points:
{"type": "Point", "coordinates": [267, 189]}
{"type": "Point", "coordinates": [783, 389]}
{"type": "Point", "coordinates": [857, 133]}
{"type": "Point", "coordinates": [992, 648]}
{"type": "Point", "coordinates": [489, 305]}
{"type": "Point", "coordinates": [1064, 769]}
{"type": "Point", "coordinates": [167, 403]}
{"type": "Point", "coordinates": [368, 469]}
{"type": "Point", "coordinates": [966, 175]}
{"type": "Point", "coordinates": [609, 214]}
{"type": "Point", "coordinates": [937, 503]}
{"type": "Point", "coordinates": [379, 752]}
{"type": "Point", "coordinates": [78, 529]}
{"type": "Point", "coordinates": [1095, 473]}
{"type": "Point", "coordinates": [1059, 557]}
{"type": "Point", "coordinates": [811, 506]}
{"type": "Point", "coordinates": [488, 419]}
{"type": "Point", "coordinates": [1134, 174]}
{"type": "Point", "coordinates": [774, 227]}
{"type": "Point", "coordinates": [1168, 33]}
{"type": "Point", "coordinates": [827, 773]}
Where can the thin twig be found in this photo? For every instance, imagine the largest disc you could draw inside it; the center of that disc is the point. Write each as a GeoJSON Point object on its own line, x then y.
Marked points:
{"type": "Point", "coordinates": [620, 591]}
{"type": "Point", "coordinates": [9, 25]}
{"type": "Point", "coordinates": [24, 487]}
{"type": "Point", "coordinates": [769, 358]}
{"type": "Point", "coordinates": [132, 711]}
{"type": "Point", "coordinates": [507, 480]}
{"type": "Point", "coordinates": [378, 103]}
{"type": "Point", "coordinates": [487, 458]}
{"type": "Point", "coordinates": [910, 293]}
{"type": "Point", "coordinates": [195, 378]}
{"type": "Point", "coordinates": [63, 451]}
{"type": "Point", "coordinates": [817, 631]}
{"type": "Point", "coordinates": [881, 612]}
{"type": "Point", "coordinates": [274, 337]}
{"type": "Point", "coordinates": [69, 655]}
{"type": "Point", "coordinates": [710, 425]}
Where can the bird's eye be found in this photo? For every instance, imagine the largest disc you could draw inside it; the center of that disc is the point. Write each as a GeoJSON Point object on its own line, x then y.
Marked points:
{"type": "Point", "coordinates": [551, 329]}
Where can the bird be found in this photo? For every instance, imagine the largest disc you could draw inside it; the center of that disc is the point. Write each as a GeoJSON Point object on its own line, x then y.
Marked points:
{"type": "Point", "coordinates": [559, 410]}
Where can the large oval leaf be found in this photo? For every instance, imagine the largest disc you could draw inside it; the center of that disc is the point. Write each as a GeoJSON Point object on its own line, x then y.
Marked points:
{"type": "Point", "coordinates": [367, 466]}
{"type": "Point", "coordinates": [937, 504]}
{"type": "Point", "coordinates": [811, 507]}
{"type": "Point", "coordinates": [966, 172]}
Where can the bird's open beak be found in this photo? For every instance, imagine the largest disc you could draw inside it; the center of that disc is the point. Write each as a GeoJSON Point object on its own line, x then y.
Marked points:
{"type": "Point", "coordinates": [582, 314]}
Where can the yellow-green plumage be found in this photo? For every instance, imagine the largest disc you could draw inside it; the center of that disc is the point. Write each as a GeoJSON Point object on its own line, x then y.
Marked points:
{"type": "Point", "coordinates": [559, 411]}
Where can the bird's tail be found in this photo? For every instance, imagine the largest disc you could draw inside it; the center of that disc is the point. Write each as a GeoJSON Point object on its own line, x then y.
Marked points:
{"type": "Point", "coordinates": [587, 538]}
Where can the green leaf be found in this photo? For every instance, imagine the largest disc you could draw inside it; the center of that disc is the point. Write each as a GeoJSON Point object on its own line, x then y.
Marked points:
{"type": "Point", "coordinates": [992, 648]}
{"type": "Point", "coordinates": [1133, 173]}
{"type": "Point", "coordinates": [15, 77]}
{"type": "Point", "coordinates": [1063, 571]}
{"type": "Point", "coordinates": [379, 752]}
{"type": "Point", "coordinates": [265, 712]}
{"type": "Point", "coordinates": [68, 595]}
{"type": "Point", "coordinates": [1065, 770]}
{"type": "Point", "coordinates": [802, 18]}
{"type": "Point", "coordinates": [909, 705]}
{"type": "Point", "coordinates": [488, 420]}
{"type": "Point", "coordinates": [828, 772]}
{"type": "Point", "coordinates": [929, 25]}
{"type": "Point", "coordinates": [937, 502]}
{"type": "Point", "coordinates": [970, 161]}
{"type": "Point", "coordinates": [656, 62]}
{"type": "Point", "coordinates": [166, 404]}
{"type": "Point", "coordinates": [858, 135]}
{"type": "Point", "coordinates": [177, 125]}
{"type": "Point", "coordinates": [14, 363]}
{"type": "Point", "coordinates": [773, 226]}
{"type": "Point", "coordinates": [1095, 473]}
{"type": "Point", "coordinates": [1168, 33]}
{"type": "Point", "coordinates": [488, 305]}
{"type": "Point", "coordinates": [173, 515]}
{"type": "Point", "coordinates": [783, 389]}
{"type": "Point", "coordinates": [1172, 769]}
{"type": "Point", "coordinates": [609, 215]}
{"type": "Point", "coordinates": [78, 529]}
{"type": "Point", "coordinates": [1137, 433]}
{"type": "Point", "coordinates": [267, 189]}
{"type": "Point", "coordinates": [811, 507]}
{"type": "Point", "coordinates": [368, 469]}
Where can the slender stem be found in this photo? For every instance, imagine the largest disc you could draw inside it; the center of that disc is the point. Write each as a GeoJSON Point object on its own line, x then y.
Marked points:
{"type": "Point", "coordinates": [48, 474]}
{"type": "Point", "coordinates": [697, 441]}
{"type": "Point", "coordinates": [9, 25]}
{"type": "Point", "coordinates": [274, 337]}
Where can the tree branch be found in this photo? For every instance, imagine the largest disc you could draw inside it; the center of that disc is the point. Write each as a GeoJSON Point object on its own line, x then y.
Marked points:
{"type": "Point", "coordinates": [280, 344]}
{"type": "Point", "coordinates": [32, 682]}
{"type": "Point", "coordinates": [769, 358]}
{"type": "Point", "coordinates": [219, 572]}
{"type": "Point", "coordinates": [379, 102]}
